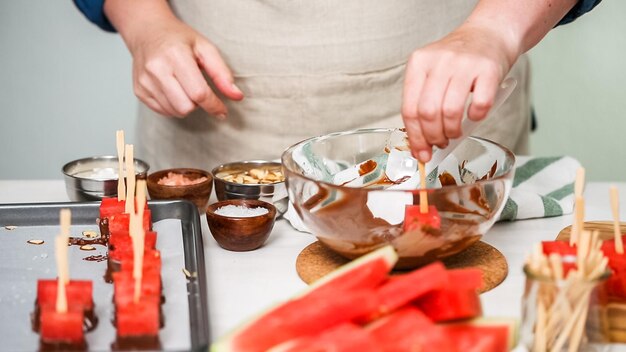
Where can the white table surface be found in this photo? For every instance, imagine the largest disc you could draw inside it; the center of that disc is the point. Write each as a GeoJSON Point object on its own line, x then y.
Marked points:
{"type": "Point", "coordinates": [243, 283]}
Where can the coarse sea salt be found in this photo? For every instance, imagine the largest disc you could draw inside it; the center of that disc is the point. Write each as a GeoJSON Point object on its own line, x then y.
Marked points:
{"type": "Point", "coordinates": [240, 211]}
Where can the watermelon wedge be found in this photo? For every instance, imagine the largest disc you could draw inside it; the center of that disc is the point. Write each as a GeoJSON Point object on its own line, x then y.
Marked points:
{"type": "Point", "coordinates": [402, 289]}
{"type": "Point", "coordinates": [408, 329]}
{"type": "Point", "coordinates": [327, 303]}
{"type": "Point", "coordinates": [458, 300]}
{"type": "Point", "coordinates": [483, 334]}
{"type": "Point", "coordinates": [346, 337]}
{"type": "Point", "coordinates": [297, 318]}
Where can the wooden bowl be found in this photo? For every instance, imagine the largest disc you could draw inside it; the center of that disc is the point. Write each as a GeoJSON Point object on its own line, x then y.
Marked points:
{"type": "Point", "coordinates": [198, 193]}
{"type": "Point", "coordinates": [241, 233]}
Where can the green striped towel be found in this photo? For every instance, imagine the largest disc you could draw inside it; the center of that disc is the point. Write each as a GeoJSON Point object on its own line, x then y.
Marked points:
{"type": "Point", "coordinates": [542, 187]}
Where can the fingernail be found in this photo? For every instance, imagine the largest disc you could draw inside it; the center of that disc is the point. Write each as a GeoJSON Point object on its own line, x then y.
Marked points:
{"type": "Point", "coordinates": [423, 156]}
{"type": "Point", "coordinates": [237, 88]}
{"type": "Point", "coordinates": [221, 116]}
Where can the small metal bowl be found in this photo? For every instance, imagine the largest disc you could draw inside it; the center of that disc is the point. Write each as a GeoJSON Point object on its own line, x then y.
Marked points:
{"type": "Point", "coordinates": [274, 193]}
{"type": "Point", "coordinates": [95, 178]}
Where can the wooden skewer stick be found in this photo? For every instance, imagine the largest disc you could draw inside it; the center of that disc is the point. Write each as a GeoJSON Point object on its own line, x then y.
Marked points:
{"type": "Point", "coordinates": [567, 330]}
{"type": "Point", "coordinates": [121, 188]}
{"type": "Point", "coordinates": [619, 245]}
{"type": "Point", "coordinates": [61, 259]}
{"type": "Point", "coordinates": [60, 249]}
{"type": "Point", "coordinates": [130, 180]}
{"type": "Point", "coordinates": [557, 265]}
{"type": "Point", "coordinates": [540, 328]}
{"type": "Point", "coordinates": [579, 185]}
{"type": "Point", "coordinates": [423, 193]}
{"type": "Point", "coordinates": [139, 239]}
{"type": "Point", "coordinates": [579, 220]}
{"type": "Point", "coordinates": [65, 221]}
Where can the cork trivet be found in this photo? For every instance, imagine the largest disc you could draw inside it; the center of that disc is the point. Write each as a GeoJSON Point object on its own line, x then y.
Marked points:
{"type": "Point", "coordinates": [316, 260]}
{"type": "Point", "coordinates": [605, 228]}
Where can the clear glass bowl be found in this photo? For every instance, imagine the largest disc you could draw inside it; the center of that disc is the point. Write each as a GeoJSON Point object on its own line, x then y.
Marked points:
{"type": "Point", "coordinates": [353, 219]}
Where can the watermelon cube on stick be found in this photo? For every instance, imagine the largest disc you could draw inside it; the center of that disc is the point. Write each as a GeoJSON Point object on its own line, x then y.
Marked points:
{"type": "Point", "coordinates": [111, 206]}
{"type": "Point", "coordinates": [124, 287]}
{"type": "Point", "coordinates": [137, 319]}
{"type": "Point", "coordinates": [62, 327]}
{"type": "Point", "coordinates": [346, 337]}
{"type": "Point", "coordinates": [119, 223]}
{"type": "Point", "coordinates": [458, 300]}
{"type": "Point", "coordinates": [79, 293]}
{"type": "Point", "coordinates": [414, 219]}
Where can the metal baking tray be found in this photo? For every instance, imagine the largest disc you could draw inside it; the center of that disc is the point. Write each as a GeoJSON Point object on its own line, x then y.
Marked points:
{"type": "Point", "coordinates": [21, 264]}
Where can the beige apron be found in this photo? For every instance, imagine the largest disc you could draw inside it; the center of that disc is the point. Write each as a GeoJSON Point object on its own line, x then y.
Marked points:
{"type": "Point", "coordinates": [310, 67]}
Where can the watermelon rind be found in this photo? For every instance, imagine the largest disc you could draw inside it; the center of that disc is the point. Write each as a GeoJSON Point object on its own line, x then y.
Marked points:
{"type": "Point", "coordinates": [388, 253]}
{"type": "Point", "coordinates": [511, 323]}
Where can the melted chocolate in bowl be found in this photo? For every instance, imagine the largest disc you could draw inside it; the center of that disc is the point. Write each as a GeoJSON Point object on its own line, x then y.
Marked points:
{"type": "Point", "coordinates": [469, 190]}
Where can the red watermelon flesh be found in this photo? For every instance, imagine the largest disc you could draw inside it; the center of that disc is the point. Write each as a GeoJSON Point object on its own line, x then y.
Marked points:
{"type": "Point", "coordinates": [405, 288]}
{"type": "Point", "coordinates": [151, 261]}
{"type": "Point", "coordinates": [125, 242]}
{"type": "Point", "coordinates": [408, 329]}
{"type": "Point", "coordinates": [346, 337]}
{"type": "Point", "coordinates": [483, 335]}
{"type": "Point", "coordinates": [124, 286]}
{"type": "Point", "coordinates": [79, 293]}
{"type": "Point", "coordinates": [137, 319]}
{"type": "Point", "coordinates": [414, 219]}
{"type": "Point", "coordinates": [559, 247]}
{"type": "Point", "coordinates": [458, 300]}
{"type": "Point", "coordinates": [119, 223]}
{"type": "Point", "coordinates": [59, 327]}
{"type": "Point", "coordinates": [300, 317]}
{"type": "Point", "coordinates": [111, 206]}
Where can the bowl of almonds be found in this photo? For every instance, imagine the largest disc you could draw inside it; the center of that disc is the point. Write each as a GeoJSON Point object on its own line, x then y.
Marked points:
{"type": "Point", "coordinates": [256, 179]}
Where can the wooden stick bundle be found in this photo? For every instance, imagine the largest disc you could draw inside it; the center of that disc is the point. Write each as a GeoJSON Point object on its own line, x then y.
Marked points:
{"type": "Point", "coordinates": [563, 299]}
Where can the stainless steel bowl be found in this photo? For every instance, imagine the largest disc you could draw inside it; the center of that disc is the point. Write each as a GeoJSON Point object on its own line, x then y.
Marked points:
{"type": "Point", "coordinates": [275, 193]}
{"type": "Point", "coordinates": [95, 178]}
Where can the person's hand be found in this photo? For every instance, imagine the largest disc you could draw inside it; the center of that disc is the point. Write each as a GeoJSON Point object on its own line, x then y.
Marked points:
{"type": "Point", "coordinates": [168, 60]}
{"type": "Point", "coordinates": [438, 81]}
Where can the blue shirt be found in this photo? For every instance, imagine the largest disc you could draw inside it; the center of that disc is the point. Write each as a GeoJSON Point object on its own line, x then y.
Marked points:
{"type": "Point", "coordinates": [93, 10]}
